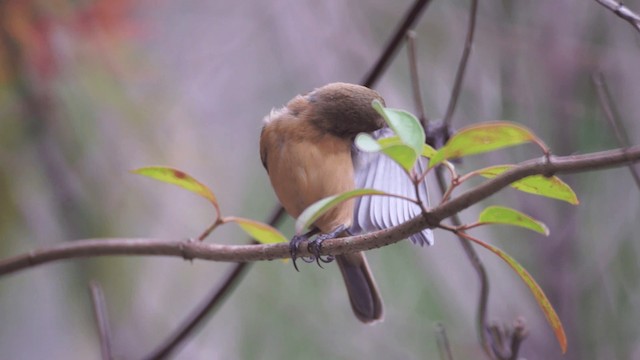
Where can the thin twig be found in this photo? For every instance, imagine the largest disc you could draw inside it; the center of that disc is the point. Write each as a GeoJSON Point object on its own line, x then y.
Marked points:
{"type": "Point", "coordinates": [200, 313]}
{"type": "Point", "coordinates": [443, 343]}
{"type": "Point", "coordinates": [415, 78]}
{"type": "Point", "coordinates": [468, 45]}
{"type": "Point", "coordinates": [604, 96]}
{"type": "Point", "coordinates": [478, 266]}
{"type": "Point", "coordinates": [213, 301]}
{"type": "Point", "coordinates": [520, 333]}
{"type": "Point", "coordinates": [622, 11]}
{"type": "Point", "coordinates": [471, 253]}
{"type": "Point", "coordinates": [189, 249]}
{"type": "Point", "coordinates": [102, 319]}
{"type": "Point", "coordinates": [394, 44]}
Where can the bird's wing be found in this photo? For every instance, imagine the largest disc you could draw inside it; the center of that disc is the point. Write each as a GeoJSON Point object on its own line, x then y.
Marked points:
{"type": "Point", "coordinates": [378, 171]}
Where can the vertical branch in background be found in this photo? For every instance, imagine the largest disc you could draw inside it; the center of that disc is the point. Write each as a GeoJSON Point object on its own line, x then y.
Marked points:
{"type": "Point", "coordinates": [622, 11]}
{"type": "Point", "coordinates": [616, 125]}
{"type": "Point", "coordinates": [443, 343]}
{"type": "Point", "coordinates": [197, 316]}
{"type": "Point", "coordinates": [472, 255]}
{"type": "Point", "coordinates": [439, 135]}
{"type": "Point", "coordinates": [102, 320]}
{"type": "Point", "coordinates": [407, 23]}
{"type": "Point", "coordinates": [415, 78]}
{"type": "Point", "coordinates": [462, 67]}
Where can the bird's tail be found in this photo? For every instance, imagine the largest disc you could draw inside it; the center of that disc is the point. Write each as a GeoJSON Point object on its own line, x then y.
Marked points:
{"type": "Point", "coordinates": [361, 287]}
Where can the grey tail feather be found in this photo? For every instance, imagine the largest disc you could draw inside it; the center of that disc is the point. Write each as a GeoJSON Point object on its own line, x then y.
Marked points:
{"type": "Point", "coordinates": [361, 287]}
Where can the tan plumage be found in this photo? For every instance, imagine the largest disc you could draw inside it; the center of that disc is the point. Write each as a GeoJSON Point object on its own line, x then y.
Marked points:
{"type": "Point", "coordinates": [306, 148]}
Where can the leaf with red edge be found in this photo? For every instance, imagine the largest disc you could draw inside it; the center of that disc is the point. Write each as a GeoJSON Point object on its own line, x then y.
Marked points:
{"type": "Point", "coordinates": [262, 232]}
{"type": "Point", "coordinates": [177, 177]}
{"type": "Point", "coordinates": [541, 298]}
{"type": "Point", "coordinates": [483, 137]}
{"type": "Point", "coordinates": [551, 187]}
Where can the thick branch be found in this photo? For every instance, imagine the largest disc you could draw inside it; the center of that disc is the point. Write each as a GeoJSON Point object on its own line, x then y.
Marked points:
{"type": "Point", "coordinates": [190, 249]}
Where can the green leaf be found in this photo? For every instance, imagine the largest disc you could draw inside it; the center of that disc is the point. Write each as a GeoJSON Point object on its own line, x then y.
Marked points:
{"type": "Point", "coordinates": [428, 151]}
{"type": "Point", "coordinates": [483, 137]}
{"type": "Point", "coordinates": [551, 187]}
{"type": "Point", "coordinates": [366, 142]}
{"type": "Point", "coordinates": [263, 233]}
{"type": "Point", "coordinates": [403, 155]}
{"type": "Point", "coordinates": [508, 216]}
{"type": "Point", "coordinates": [177, 177]}
{"type": "Point", "coordinates": [404, 124]}
{"type": "Point", "coordinates": [541, 298]}
{"type": "Point", "coordinates": [392, 146]}
{"type": "Point", "coordinates": [320, 207]}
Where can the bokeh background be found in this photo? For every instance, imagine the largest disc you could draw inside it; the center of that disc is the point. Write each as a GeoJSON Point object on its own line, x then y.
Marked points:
{"type": "Point", "coordinates": [92, 89]}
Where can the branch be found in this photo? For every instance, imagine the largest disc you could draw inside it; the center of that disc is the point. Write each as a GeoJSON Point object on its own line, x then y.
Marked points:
{"type": "Point", "coordinates": [478, 266]}
{"type": "Point", "coordinates": [102, 320]}
{"type": "Point", "coordinates": [618, 128]}
{"type": "Point", "coordinates": [190, 249]}
{"type": "Point", "coordinates": [392, 46]}
{"type": "Point", "coordinates": [468, 45]}
{"type": "Point", "coordinates": [622, 12]}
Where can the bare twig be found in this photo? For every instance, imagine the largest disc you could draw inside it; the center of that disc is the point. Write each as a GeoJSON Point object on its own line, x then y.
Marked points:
{"type": "Point", "coordinates": [622, 11]}
{"type": "Point", "coordinates": [443, 343]}
{"type": "Point", "coordinates": [478, 266]}
{"type": "Point", "coordinates": [392, 46]}
{"type": "Point", "coordinates": [443, 130]}
{"type": "Point", "coordinates": [415, 78]}
{"type": "Point", "coordinates": [519, 334]}
{"type": "Point", "coordinates": [102, 320]}
{"type": "Point", "coordinates": [198, 315]}
{"type": "Point", "coordinates": [468, 45]}
{"type": "Point", "coordinates": [189, 249]}
{"type": "Point", "coordinates": [604, 96]}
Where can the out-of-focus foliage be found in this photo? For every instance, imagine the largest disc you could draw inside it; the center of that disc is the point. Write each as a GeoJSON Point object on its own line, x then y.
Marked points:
{"type": "Point", "coordinates": [91, 89]}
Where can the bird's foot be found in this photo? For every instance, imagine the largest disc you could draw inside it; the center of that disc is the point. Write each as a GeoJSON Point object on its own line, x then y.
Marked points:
{"type": "Point", "coordinates": [315, 246]}
{"type": "Point", "coordinates": [294, 245]}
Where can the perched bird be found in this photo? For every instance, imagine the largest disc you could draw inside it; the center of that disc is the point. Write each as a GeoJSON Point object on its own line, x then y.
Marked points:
{"type": "Point", "coordinates": [307, 148]}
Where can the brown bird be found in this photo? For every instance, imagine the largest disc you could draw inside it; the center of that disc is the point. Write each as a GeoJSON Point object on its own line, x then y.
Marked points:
{"type": "Point", "coordinates": [308, 151]}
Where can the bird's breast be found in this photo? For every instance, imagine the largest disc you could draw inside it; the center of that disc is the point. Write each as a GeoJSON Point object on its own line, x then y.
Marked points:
{"type": "Point", "coordinates": [305, 166]}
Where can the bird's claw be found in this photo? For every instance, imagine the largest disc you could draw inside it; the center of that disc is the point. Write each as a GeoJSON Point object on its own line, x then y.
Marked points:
{"type": "Point", "coordinates": [294, 245]}
{"type": "Point", "coordinates": [315, 247]}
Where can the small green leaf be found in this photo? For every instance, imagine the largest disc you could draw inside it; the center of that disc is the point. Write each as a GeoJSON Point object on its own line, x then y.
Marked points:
{"type": "Point", "coordinates": [483, 137]}
{"type": "Point", "coordinates": [508, 216]}
{"type": "Point", "coordinates": [404, 124]}
{"type": "Point", "coordinates": [263, 233]}
{"type": "Point", "coordinates": [320, 207]}
{"type": "Point", "coordinates": [177, 177]}
{"type": "Point", "coordinates": [392, 146]}
{"type": "Point", "coordinates": [366, 142]}
{"type": "Point", "coordinates": [428, 151]}
{"type": "Point", "coordinates": [541, 298]}
{"type": "Point", "coordinates": [403, 155]}
{"type": "Point", "coordinates": [390, 141]}
{"type": "Point", "coordinates": [551, 187]}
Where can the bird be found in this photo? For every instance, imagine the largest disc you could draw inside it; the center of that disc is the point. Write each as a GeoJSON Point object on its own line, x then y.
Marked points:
{"type": "Point", "coordinates": [307, 148]}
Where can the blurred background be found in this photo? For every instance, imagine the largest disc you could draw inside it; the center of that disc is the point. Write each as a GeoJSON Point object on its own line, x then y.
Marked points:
{"type": "Point", "coordinates": [92, 89]}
